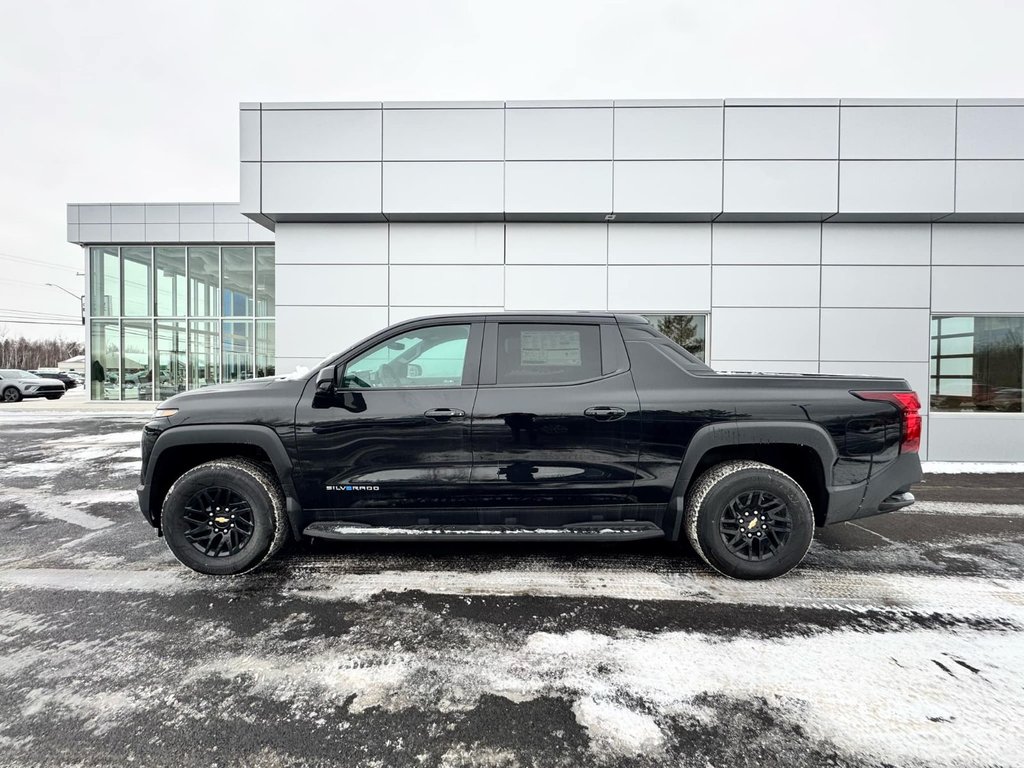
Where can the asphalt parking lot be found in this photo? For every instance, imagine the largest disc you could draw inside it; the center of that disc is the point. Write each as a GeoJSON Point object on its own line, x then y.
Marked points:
{"type": "Point", "coordinates": [900, 641]}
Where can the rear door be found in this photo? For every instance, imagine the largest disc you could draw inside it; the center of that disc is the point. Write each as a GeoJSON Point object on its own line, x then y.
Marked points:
{"type": "Point", "coordinates": [556, 425]}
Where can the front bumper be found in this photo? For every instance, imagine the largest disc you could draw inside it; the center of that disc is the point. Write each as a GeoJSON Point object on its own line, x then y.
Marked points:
{"type": "Point", "coordinates": [150, 432]}
{"type": "Point", "coordinates": [144, 507]}
{"type": "Point", "coordinates": [43, 392]}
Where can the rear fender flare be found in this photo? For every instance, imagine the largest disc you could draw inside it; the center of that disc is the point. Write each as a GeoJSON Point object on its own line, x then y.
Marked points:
{"type": "Point", "coordinates": [745, 433]}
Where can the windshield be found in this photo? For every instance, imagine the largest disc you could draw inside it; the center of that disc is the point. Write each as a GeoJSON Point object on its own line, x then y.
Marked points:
{"type": "Point", "coordinates": [15, 373]}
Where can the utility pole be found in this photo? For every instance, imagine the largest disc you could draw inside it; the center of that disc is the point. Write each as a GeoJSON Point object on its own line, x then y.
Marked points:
{"type": "Point", "coordinates": [81, 299]}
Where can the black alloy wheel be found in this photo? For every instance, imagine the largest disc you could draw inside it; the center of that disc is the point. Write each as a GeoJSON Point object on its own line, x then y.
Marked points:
{"type": "Point", "coordinates": [748, 519]}
{"type": "Point", "coordinates": [224, 517]}
{"type": "Point", "coordinates": [219, 522]}
{"type": "Point", "coordinates": [755, 525]}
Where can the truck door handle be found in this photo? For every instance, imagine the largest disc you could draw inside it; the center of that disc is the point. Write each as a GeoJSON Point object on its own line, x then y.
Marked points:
{"type": "Point", "coordinates": [444, 414]}
{"type": "Point", "coordinates": [604, 413]}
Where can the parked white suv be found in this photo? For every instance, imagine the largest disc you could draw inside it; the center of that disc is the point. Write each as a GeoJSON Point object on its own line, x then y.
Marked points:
{"type": "Point", "coordinates": [16, 385]}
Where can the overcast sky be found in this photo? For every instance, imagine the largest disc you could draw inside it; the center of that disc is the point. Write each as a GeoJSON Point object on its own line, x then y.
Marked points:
{"type": "Point", "coordinates": [137, 101]}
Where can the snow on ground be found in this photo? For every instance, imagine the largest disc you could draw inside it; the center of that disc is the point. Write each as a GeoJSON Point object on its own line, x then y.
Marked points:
{"type": "Point", "coordinates": [36, 484]}
{"type": "Point", "coordinates": [897, 642]}
{"type": "Point", "coordinates": [111, 438]}
{"type": "Point", "coordinates": [929, 696]}
{"type": "Point", "coordinates": [35, 416]}
{"type": "Point", "coordinates": [971, 467]}
{"type": "Point", "coordinates": [848, 592]}
{"type": "Point", "coordinates": [616, 729]}
{"type": "Point", "coordinates": [965, 508]}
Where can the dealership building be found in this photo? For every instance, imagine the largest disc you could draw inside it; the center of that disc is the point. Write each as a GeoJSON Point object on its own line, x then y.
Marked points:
{"type": "Point", "coordinates": [806, 236]}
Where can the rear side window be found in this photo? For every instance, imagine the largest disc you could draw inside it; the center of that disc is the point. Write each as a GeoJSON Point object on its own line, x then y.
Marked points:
{"type": "Point", "coordinates": [677, 354]}
{"type": "Point", "coordinates": [534, 353]}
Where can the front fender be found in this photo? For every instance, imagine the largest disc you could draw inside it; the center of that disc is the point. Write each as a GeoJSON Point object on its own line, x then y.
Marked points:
{"type": "Point", "coordinates": [264, 438]}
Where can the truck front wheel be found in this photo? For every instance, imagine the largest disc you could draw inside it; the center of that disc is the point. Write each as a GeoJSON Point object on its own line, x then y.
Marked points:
{"type": "Point", "coordinates": [749, 520]}
{"type": "Point", "coordinates": [224, 517]}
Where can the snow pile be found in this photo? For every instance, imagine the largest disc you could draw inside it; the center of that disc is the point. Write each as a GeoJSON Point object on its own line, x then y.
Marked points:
{"type": "Point", "coordinates": [615, 728]}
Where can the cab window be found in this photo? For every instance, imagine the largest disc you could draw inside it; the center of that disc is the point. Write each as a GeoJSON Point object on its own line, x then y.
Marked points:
{"type": "Point", "coordinates": [534, 353]}
{"type": "Point", "coordinates": [425, 357]}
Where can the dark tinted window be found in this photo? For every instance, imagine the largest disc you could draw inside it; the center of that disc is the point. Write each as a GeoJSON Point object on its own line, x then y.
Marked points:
{"type": "Point", "coordinates": [680, 356]}
{"type": "Point", "coordinates": [534, 353]}
{"type": "Point", "coordinates": [688, 331]}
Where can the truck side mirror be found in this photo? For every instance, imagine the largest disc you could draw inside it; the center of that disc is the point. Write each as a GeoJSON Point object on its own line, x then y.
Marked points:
{"type": "Point", "coordinates": [325, 381]}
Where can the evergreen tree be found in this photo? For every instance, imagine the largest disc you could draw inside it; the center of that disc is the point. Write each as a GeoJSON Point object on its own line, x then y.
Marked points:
{"type": "Point", "coordinates": [682, 329]}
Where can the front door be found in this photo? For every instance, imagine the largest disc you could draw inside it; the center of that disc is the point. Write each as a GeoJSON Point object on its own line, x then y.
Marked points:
{"type": "Point", "coordinates": [556, 427]}
{"type": "Point", "coordinates": [390, 445]}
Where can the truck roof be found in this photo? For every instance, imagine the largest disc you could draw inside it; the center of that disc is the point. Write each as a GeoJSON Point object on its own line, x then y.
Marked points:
{"type": "Point", "coordinates": [621, 317]}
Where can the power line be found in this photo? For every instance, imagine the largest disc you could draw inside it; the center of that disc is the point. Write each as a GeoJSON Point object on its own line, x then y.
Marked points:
{"type": "Point", "coordinates": [41, 318]}
{"type": "Point", "coordinates": [4, 320]}
{"type": "Point", "coordinates": [46, 312]}
{"type": "Point", "coordinates": [37, 262]}
{"type": "Point", "coordinates": [21, 282]}
{"type": "Point", "coordinates": [37, 315]}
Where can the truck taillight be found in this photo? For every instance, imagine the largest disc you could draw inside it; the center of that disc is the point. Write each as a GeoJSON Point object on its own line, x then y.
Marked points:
{"type": "Point", "coordinates": [910, 409]}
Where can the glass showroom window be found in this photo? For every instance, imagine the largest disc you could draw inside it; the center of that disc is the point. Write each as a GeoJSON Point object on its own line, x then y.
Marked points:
{"type": "Point", "coordinates": [238, 285]}
{"type": "Point", "coordinates": [172, 318]}
{"type": "Point", "coordinates": [170, 371]}
{"type": "Point", "coordinates": [265, 285]}
{"type": "Point", "coordinates": [136, 269]}
{"type": "Point", "coordinates": [204, 281]}
{"type": "Point", "coordinates": [105, 279]}
{"type": "Point", "coordinates": [203, 353]}
{"type": "Point", "coordinates": [171, 293]}
{"type": "Point", "coordinates": [105, 365]}
{"type": "Point", "coordinates": [237, 351]}
{"type": "Point", "coordinates": [977, 363]}
{"type": "Point", "coordinates": [136, 360]}
{"type": "Point", "coordinates": [265, 365]}
{"type": "Point", "coordinates": [688, 331]}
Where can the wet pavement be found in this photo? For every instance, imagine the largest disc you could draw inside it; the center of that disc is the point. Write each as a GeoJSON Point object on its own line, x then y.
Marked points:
{"type": "Point", "coordinates": [899, 641]}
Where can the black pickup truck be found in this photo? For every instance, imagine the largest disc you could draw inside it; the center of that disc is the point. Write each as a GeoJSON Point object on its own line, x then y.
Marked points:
{"type": "Point", "coordinates": [553, 427]}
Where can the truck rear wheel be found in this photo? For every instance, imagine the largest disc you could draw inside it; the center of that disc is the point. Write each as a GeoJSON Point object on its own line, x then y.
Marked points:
{"type": "Point", "coordinates": [749, 520]}
{"type": "Point", "coordinates": [224, 517]}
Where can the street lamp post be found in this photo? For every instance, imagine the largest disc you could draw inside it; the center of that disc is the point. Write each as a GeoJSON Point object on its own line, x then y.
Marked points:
{"type": "Point", "coordinates": [81, 299]}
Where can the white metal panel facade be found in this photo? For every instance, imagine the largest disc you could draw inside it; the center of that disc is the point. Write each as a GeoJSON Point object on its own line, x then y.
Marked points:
{"type": "Point", "coordinates": [816, 236]}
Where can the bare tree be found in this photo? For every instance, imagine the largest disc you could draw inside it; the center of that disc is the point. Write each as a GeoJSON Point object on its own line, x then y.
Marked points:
{"type": "Point", "coordinates": [19, 352]}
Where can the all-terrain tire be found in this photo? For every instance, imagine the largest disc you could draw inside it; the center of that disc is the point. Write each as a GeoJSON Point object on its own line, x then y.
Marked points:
{"type": "Point", "coordinates": [715, 492]}
{"type": "Point", "coordinates": [252, 483]}
{"type": "Point", "coordinates": [12, 395]}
